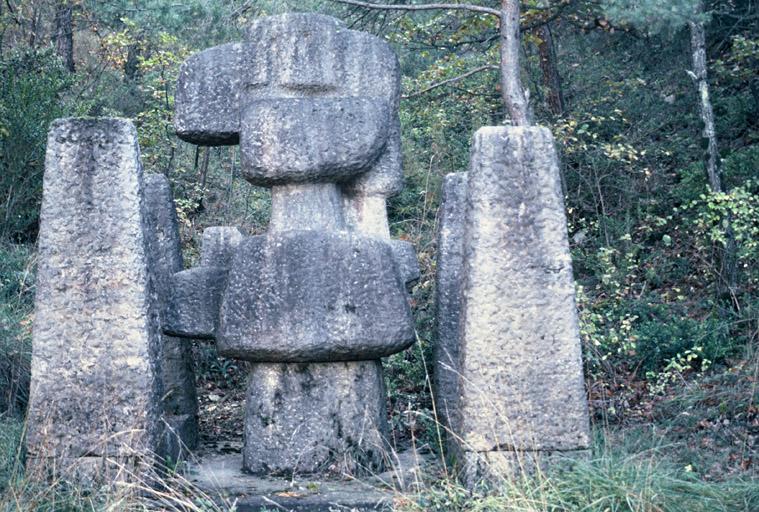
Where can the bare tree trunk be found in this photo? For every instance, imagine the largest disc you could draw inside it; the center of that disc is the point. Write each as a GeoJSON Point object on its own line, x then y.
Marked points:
{"type": "Point", "coordinates": [131, 65]}
{"type": "Point", "coordinates": [551, 78]}
{"type": "Point", "coordinates": [64, 33]}
{"type": "Point", "coordinates": [698, 50]}
{"type": "Point", "coordinates": [728, 267]}
{"type": "Point", "coordinates": [512, 92]}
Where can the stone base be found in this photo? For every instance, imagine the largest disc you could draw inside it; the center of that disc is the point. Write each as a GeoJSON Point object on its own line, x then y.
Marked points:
{"type": "Point", "coordinates": [327, 418]}
{"type": "Point", "coordinates": [182, 436]}
{"type": "Point", "coordinates": [90, 472]}
{"type": "Point", "coordinates": [220, 477]}
{"type": "Point", "coordinates": [478, 469]}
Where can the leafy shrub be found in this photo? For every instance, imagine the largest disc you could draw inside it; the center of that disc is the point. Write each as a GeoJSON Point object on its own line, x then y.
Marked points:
{"type": "Point", "coordinates": [31, 87]}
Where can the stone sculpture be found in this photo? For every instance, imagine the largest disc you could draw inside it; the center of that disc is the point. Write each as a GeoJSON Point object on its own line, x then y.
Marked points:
{"type": "Point", "coordinates": [180, 402]}
{"type": "Point", "coordinates": [96, 383]}
{"type": "Point", "coordinates": [509, 379]}
{"type": "Point", "coordinates": [320, 298]}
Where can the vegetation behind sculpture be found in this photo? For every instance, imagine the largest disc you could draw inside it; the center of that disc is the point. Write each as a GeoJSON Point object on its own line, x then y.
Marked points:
{"type": "Point", "coordinates": [643, 227]}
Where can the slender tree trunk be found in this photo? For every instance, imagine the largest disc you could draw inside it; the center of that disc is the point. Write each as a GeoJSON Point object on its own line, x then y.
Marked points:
{"type": "Point", "coordinates": [512, 92]}
{"type": "Point", "coordinates": [551, 78]}
{"type": "Point", "coordinates": [698, 51]}
{"type": "Point", "coordinates": [64, 33]}
{"type": "Point", "coordinates": [131, 65]}
{"type": "Point", "coordinates": [728, 257]}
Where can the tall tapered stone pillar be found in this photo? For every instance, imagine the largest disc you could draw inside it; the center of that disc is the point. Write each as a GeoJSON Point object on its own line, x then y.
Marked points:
{"type": "Point", "coordinates": [95, 404]}
{"type": "Point", "coordinates": [509, 368]}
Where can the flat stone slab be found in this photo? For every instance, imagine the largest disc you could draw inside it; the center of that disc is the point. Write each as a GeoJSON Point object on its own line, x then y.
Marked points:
{"type": "Point", "coordinates": [220, 476]}
{"type": "Point", "coordinates": [310, 296]}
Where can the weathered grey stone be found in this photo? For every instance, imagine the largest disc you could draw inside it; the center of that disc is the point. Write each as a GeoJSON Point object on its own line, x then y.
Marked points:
{"type": "Point", "coordinates": [448, 300]}
{"type": "Point", "coordinates": [314, 107]}
{"type": "Point", "coordinates": [494, 469]}
{"type": "Point", "coordinates": [316, 417]}
{"type": "Point", "coordinates": [521, 379]}
{"type": "Point", "coordinates": [219, 246]}
{"type": "Point", "coordinates": [195, 298]}
{"type": "Point", "coordinates": [405, 259]}
{"type": "Point", "coordinates": [306, 205]}
{"type": "Point", "coordinates": [310, 296]}
{"type": "Point", "coordinates": [180, 402]}
{"type": "Point", "coordinates": [246, 91]}
{"type": "Point", "coordinates": [367, 214]}
{"type": "Point", "coordinates": [209, 88]}
{"type": "Point", "coordinates": [96, 383]}
{"type": "Point", "coordinates": [290, 140]}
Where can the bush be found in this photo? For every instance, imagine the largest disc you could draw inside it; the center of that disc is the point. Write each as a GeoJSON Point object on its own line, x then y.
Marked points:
{"type": "Point", "coordinates": [31, 87]}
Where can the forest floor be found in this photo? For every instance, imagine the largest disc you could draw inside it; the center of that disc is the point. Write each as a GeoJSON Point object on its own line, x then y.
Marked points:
{"type": "Point", "coordinates": [706, 425]}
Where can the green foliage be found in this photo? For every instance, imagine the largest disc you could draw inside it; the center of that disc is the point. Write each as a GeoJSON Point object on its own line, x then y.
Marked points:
{"type": "Point", "coordinates": [16, 304]}
{"type": "Point", "coordinates": [32, 84]}
{"type": "Point", "coordinates": [10, 450]}
{"type": "Point", "coordinates": [653, 16]}
{"type": "Point", "coordinates": [613, 479]}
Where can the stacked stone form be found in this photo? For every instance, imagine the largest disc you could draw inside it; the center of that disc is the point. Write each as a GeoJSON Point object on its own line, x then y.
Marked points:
{"type": "Point", "coordinates": [316, 301]}
{"type": "Point", "coordinates": [180, 401]}
{"type": "Point", "coordinates": [95, 403]}
{"type": "Point", "coordinates": [508, 366]}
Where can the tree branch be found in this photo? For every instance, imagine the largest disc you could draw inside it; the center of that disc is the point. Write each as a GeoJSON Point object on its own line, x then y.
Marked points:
{"type": "Point", "coordinates": [450, 81]}
{"type": "Point", "coordinates": [421, 7]}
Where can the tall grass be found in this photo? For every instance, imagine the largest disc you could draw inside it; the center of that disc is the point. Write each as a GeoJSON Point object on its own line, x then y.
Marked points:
{"type": "Point", "coordinates": [612, 481]}
{"type": "Point", "coordinates": [17, 264]}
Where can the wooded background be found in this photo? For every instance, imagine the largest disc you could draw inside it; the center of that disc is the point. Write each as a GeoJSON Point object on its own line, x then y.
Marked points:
{"type": "Point", "coordinates": [654, 105]}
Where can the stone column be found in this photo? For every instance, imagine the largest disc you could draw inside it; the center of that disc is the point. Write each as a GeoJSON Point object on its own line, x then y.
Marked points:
{"type": "Point", "coordinates": [320, 298]}
{"type": "Point", "coordinates": [180, 401]}
{"type": "Point", "coordinates": [96, 386]}
{"type": "Point", "coordinates": [448, 280]}
{"type": "Point", "coordinates": [507, 311]}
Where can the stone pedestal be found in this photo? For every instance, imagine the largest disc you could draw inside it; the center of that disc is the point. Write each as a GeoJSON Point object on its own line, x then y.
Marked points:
{"type": "Point", "coordinates": [316, 418]}
{"type": "Point", "coordinates": [514, 365]}
{"type": "Point", "coordinates": [96, 380]}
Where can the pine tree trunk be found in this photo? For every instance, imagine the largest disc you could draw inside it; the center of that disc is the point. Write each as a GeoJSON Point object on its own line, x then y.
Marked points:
{"type": "Point", "coordinates": [551, 78]}
{"type": "Point", "coordinates": [64, 33]}
{"type": "Point", "coordinates": [512, 92]}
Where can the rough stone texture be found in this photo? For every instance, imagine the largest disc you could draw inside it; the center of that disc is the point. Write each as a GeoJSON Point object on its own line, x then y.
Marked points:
{"type": "Point", "coordinates": [493, 469]}
{"type": "Point", "coordinates": [449, 281]}
{"type": "Point", "coordinates": [314, 107]}
{"type": "Point", "coordinates": [219, 477]}
{"type": "Point", "coordinates": [195, 298]}
{"type": "Point", "coordinates": [290, 140]}
{"type": "Point", "coordinates": [180, 401]}
{"type": "Point", "coordinates": [313, 205]}
{"type": "Point", "coordinates": [367, 214]}
{"type": "Point", "coordinates": [219, 246]}
{"type": "Point", "coordinates": [318, 417]}
{"type": "Point", "coordinates": [405, 259]}
{"type": "Point", "coordinates": [288, 58]}
{"type": "Point", "coordinates": [311, 296]}
{"type": "Point", "coordinates": [521, 366]}
{"type": "Point", "coordinates": [96, 383]}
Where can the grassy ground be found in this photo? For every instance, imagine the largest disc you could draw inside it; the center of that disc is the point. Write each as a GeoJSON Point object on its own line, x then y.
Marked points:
{"type": "Point", "coordinates": [631, 470]}
{"type": "Point", "coordinates": [691, 449]}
